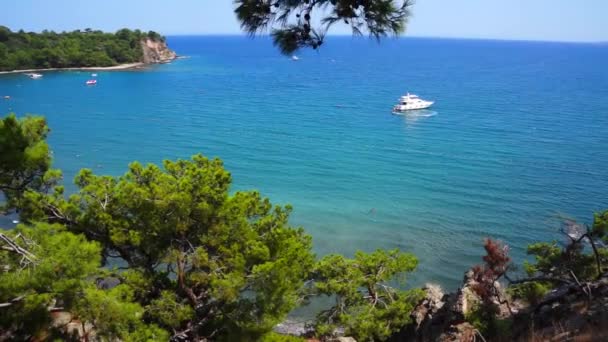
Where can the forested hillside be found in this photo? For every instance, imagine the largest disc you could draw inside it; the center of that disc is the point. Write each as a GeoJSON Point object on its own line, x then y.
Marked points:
{"type": "Point", "coordinates": [88, 48]}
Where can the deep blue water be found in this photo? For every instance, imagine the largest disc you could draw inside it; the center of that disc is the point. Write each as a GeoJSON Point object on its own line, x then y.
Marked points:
{"type": "Point", "coordinates": [518, 136]}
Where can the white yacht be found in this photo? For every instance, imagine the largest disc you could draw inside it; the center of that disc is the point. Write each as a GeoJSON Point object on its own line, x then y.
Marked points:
{"type": "Point", "coordinates": [34, 76]}
{"type": "Point", "coordinates": [295, 58]}
{"type": "Point", "coordinates": [411, 102]}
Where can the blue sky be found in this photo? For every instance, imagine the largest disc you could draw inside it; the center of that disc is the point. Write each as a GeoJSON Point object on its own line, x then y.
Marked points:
{"type": "Point", "coordinates": [561, 20]}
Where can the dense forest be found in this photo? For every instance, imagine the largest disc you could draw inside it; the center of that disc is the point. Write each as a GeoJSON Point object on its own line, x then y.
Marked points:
{"type": "Point", "coordinates": [86, 48]}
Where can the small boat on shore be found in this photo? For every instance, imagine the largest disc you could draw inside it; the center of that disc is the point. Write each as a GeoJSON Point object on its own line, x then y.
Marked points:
{"type": "Point", "coordinates": [91, 82]}
{"type": "Point", "coordinates": [34, 76]}
{"type": "Point", "coordinates": [411, 102]}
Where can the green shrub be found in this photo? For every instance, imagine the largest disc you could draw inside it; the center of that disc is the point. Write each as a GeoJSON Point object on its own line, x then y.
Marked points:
{"type": "Point", "coordinates": [488, 324]}
{"type": "Point", "coordinates": [274, 337]}
{"type": "Point", "coordinates": [531, 292]}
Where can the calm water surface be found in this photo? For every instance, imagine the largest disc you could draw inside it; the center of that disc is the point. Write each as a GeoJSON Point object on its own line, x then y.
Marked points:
{"type": "Point", "coordinates": [518, 136]}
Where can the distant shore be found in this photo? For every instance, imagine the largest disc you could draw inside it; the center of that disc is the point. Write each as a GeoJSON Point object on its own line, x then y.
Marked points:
{"type": "Point", "coordinates": [111, 68]}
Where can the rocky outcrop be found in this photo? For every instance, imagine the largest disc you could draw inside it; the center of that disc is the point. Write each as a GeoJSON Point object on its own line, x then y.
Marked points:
{"type": "Point", "coordinates": [69, 325]}
{"type": "Point", "coordinates": [568, 313]}
{"type": "Point", "coordinates": [572, 312]}
{"type": "Point", "coordinates": [429, 318]}
{"type": "Point", "coordinates": [441, 317]}
{"type": "Point", "coordinates": [156, 51]}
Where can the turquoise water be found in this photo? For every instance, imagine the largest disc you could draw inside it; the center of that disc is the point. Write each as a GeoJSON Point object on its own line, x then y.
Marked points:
{"type": "Point", "coordinates": [518, 135]}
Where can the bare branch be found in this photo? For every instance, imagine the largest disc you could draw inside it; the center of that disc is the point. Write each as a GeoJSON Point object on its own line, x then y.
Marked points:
{"type": "Point", "coordinates": [12, 302]}
{"type": "Point", "coordinates": [15, 248]}
{"type": "Point", "coordinates": [598, 262]}
{"type": "Point", "coordinates": [547, 279]}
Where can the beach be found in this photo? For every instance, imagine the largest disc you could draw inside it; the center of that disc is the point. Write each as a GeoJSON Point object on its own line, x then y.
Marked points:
{"type": "Point", "coordinates": [111, 68]}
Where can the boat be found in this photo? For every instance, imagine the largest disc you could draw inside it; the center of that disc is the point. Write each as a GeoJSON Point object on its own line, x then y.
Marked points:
{"type": "Point", "coordinates": [91, 82]}
{"type": "Point", "coordinates": [34, 76]}
{"type": "Point", "coordinates": [411, 102]}
{"type": "Point", "coordinates": [93, 75]}
{"type": "Point", "coordinates": [295, 58]}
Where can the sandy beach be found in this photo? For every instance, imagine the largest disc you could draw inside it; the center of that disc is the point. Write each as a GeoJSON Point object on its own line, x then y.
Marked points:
{"type": "Point", "coordinates": [112, 68]}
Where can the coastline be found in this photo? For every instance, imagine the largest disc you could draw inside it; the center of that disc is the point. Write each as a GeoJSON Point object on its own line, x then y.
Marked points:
{"type": "Point", "coordinates": [127, 66]}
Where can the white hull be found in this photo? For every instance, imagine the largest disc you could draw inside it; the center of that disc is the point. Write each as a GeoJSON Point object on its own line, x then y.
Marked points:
{"type": "Point", "coordinates": [413, 106]}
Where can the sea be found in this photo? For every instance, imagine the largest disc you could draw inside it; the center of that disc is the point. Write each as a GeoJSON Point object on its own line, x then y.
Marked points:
{"type": "Point", "coordinates": [516, 142]}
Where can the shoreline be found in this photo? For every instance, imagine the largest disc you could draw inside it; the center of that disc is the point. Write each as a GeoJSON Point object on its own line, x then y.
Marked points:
{"type": "Point", "coordinates": [127, 66]}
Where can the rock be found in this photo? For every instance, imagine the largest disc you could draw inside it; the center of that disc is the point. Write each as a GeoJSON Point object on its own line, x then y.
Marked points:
{"type": "Point", "coordinates": [293, 328]}
{"type": "Point", "coordinates": [64, 321]}
{"type": "Point", "coordinates": [344, 339]}
{"type": "Point", "coordinates": [61, 318]}
{"type": "Point", "coordinates": [429, 316]}
{"type": "Point", "coordinates": [429, 306]}
{"type": "Point", "coordinates": [156, 51]}
{"type": "Point", "coordinates": [465, 298]}
{"type": "Point", "coordinates": [463, 332]}
{"type": "Point", "coordinates": [107, 283]}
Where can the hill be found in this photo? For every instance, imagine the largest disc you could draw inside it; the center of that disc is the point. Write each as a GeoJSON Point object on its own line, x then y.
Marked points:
{"type": "Point", "coordinates": [81, 48]}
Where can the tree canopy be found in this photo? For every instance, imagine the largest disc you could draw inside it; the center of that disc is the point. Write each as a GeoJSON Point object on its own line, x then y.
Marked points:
{"type": "Point", "coordinates": [24, 157]}
{"type": "Point", "coordinates": [203, 262]}
{"type": "Point", "coordinates": [582, 258]}
{"type": "Point", "coordinates": [86, 48]}
{"type": "Point", "coordinates": [365, 304]}
{"type": "Point", "coordinates": [49, 270]}
{"type": "Point", "coordinates": [294, 24]}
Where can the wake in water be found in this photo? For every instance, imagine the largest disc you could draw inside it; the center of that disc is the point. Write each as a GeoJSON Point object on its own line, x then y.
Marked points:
{"type": "Point", "coordinates": [423, 113]}
{"type": "Point", "coordinates": [415, 115]}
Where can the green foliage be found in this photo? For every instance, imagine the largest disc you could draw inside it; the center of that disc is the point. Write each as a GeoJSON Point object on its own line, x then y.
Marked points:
{"type": "Point", "coordinates": [291, 22]}
{"type": "Point", "coordinates": [599, 229]}
{"type": "Point", "coordinates": [557, 262]}
{"type": "Point", "coordinates": [89, 48]}
{"type": "Point", "coordinates": [274, 337]}
{"type": "Point", "coordinates": [24, 157]}
{"type": "Point", "coordinates": [115, 315]}
{"type": "Point", "coordinates": [56, 270]}
{"type": "Point", "coordinates": [546, 255]}
{"type": "Point", "coordinates": [169, 310]}
{"type": "Point", "coordinates": [195, 253]}
{"type": "Point", "coordinates": [584, 255]}
{"type": "Point", "coordinates": [532, 292]}
{"type": "Point", "coordinates": [47, 267]}
{"type": "Point", "coordinates": [477, 317]}
{"type": "Point", "coordinates": [365, 305]}
{"type": "Point", "coordinates": [491, 327]}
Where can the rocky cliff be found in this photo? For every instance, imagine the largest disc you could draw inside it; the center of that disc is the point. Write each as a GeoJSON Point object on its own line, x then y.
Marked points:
{"type": "Point", "coordinates": [156, 51]}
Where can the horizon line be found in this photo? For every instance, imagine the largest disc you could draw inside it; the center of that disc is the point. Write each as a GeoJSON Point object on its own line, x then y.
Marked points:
{"type": "Point", "coordinates": [537, 40]}
{"type": "Point", "coordinates": [244, 34]}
